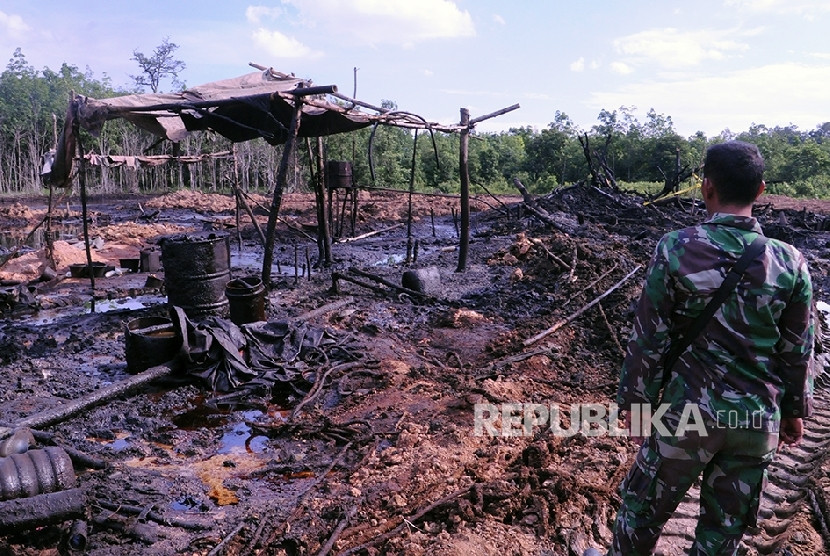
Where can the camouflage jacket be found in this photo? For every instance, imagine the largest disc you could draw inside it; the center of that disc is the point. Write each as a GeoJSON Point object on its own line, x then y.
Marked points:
{"type": "Point", "coordinates": [752, 362]}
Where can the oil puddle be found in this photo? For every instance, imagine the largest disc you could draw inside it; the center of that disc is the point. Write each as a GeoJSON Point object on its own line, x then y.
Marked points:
{"type": "Point", "coordinates": [14, 239]}
{"type": "Point", "coordinates": [188, 504]}
{"type": "Point", "coordinates": [50, 316]}
{"type": "Point", "coordinates": [118, 443]}
{"type": "Point", "coordinates": [237, 436]}
{"type": "Point", "coordinates": [239, 439]}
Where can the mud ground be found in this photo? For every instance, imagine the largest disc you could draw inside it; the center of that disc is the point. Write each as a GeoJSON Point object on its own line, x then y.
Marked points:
{"type": "Point", "coordinates": [371, 447]}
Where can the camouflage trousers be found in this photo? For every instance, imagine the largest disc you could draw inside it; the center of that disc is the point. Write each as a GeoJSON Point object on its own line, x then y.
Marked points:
{"type": "Point", "coordinates": [733, 464]}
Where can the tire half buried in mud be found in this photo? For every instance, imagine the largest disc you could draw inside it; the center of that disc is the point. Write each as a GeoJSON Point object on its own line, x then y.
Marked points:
{"type": "Point", "coordinates": [196, 272]}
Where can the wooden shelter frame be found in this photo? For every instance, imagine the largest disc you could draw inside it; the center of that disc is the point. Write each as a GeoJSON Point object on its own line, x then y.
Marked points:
{"type": "Point", "coordinates": [300, 97]}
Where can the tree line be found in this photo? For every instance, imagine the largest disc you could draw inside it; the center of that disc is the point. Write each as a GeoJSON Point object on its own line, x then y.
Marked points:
{"type": "Point", "coordinates": [646, 155]}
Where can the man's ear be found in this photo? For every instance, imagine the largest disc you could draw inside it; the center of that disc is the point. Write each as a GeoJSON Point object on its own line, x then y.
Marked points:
{"type": "Point", "coordinates": [707, 188]}
{"type": "Point", "coordinates": [761, 189]}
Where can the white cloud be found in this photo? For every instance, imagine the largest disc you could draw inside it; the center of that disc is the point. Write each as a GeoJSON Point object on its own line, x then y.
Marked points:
{"type": "Point", "coordinates": [13, 25]}
{"type": "Point", "coordinates": [255, 14]}
{"type": "Point", "coordinates": [578, 65]}
{"type": "Point", "coordinates": [621, 68]}
{"type": "Point", "coordinates": [401, 22]}
{"type": "Point", "coordinates": [763, 95]}
{"type": "Point", "coordinates": [670, 47]}
{"type": "Point", "coordinates": [281, 46]}
{"type": "Point", "coordinates": [428, 73]}
{"type": "Point", "coordinates": [499, 19]}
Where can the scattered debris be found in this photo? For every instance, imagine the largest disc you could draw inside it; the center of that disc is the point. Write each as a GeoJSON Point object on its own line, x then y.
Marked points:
{"type": "Point", "coordinates": [342, 423]}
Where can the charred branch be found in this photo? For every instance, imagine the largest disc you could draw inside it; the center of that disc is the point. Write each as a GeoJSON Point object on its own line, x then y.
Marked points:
{"type": "Point", "coordinates": [601, 173]}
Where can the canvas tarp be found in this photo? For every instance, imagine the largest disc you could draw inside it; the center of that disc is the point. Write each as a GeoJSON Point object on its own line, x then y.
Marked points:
{"type": "Point", "coordinates": [258, 104]}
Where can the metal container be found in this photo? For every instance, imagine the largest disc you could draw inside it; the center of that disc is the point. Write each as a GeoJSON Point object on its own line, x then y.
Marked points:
{"type": "Point", "coordinates": [130, 264]}
{"type": "Point", "coordinates": [149, 260]}
{"type": "Point", "coordinates": [35, 472]}
{"type": "Point", "coordinates": [196, 271]}
{"type": "Point", "coordinates": [81, 270]}
{"type": "Point", "coordinates": [246, 297]}
{"type": "Point", "coordinates": [339, 174]}
{"type": "Point", "coordinates": [150, 341]}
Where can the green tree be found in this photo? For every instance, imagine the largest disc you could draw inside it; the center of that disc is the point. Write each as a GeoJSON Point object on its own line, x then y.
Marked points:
{"type": "Point", "coordinates": [160, 65]}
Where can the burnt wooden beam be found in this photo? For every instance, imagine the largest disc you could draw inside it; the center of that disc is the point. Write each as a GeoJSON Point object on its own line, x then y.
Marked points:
{"type": "Point", "coordinates": [22, 514]}
{"type": "Point", "coordinates": [74, 407]}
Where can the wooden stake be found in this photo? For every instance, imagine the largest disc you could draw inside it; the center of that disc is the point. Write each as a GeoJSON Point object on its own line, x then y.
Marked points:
{"type": "Point", "coordinates": [464, 169]}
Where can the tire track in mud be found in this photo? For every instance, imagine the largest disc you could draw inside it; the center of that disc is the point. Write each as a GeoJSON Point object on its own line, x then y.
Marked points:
{"type": "Point", "coordinates": [788, 487]}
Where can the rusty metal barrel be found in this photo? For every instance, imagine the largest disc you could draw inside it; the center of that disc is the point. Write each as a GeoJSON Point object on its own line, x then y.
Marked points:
{"type": "Point", "coordinates": [246, 297]}
{"type": "Point", "coordinates": [150, 341]}
{"type": "Point", "coordinates": [196, 272]}
{"type": "Point", "coordinates": [339, 174]}
{"type": "Point", "coordinates": [35, 472]}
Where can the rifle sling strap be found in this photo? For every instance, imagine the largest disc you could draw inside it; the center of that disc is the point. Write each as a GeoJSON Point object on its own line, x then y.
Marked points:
{"type": "Point", "coordinates": [729, 283]}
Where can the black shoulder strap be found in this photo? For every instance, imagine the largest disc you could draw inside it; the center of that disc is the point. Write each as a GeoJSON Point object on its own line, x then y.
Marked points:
{"type": "Point", "coordinates": [729, 283]}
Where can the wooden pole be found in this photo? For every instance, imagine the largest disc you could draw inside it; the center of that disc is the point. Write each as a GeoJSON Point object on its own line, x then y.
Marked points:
{"type": "Point", "coordinates": [235, 186]}
{"type": "Point", "coordinates": [464, 169]}
{"type": "Point", "coordinates": [78, 405]}
{"type": "Point", "coordinates": [85, 218]}
{"type": "Point", "coordinates": [274, 210]}
{"type": "Point", "coordinates": [323, 232]}
{"type": "Point", "coordinates": [409, 204]}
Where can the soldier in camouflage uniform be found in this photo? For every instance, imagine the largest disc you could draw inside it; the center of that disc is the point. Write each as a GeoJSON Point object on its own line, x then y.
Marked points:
{"type": "Point", "coordinates": [747, 372]}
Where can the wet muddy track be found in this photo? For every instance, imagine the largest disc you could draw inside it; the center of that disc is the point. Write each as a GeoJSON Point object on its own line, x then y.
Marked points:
{"type": "Point", "coordinates": [383, 459]}
{"type": "Point", "coordinates": [791, 493]}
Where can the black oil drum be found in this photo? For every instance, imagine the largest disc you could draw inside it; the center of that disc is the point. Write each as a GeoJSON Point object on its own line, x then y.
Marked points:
{"type": "Point", "coordinates": [196, 272]}
{"type": "Point", "coordinates": [246, 297]}
{"type": "Point", "coordinates": [150, 341]}
{"type": "Point", "coordinates": [339, 174]}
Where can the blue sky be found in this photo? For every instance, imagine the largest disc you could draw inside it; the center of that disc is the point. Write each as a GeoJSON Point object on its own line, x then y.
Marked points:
{"type": "Point", "coordinates": [709, 64]}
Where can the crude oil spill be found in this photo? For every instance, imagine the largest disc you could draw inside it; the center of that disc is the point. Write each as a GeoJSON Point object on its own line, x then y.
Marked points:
{"type": "Point", "coordinates": [239, 441]}
{"type": "Point", "coordinates": [201, 417]}
{"type": "Point", "coordinates": [50, 316]}
{"type": "Point", "coordinates": [188, 504]}
{"type": "Point", "coordinates": [236, 440]}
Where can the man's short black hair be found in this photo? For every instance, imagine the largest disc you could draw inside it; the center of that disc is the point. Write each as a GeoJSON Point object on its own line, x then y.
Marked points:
{"type": "Point", "coordinates": [736, 169]}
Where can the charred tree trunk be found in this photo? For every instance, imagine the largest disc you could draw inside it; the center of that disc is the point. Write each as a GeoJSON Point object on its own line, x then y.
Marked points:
{"type": "Point", "coordinates": [671, 183]}
{"type": "Point", "coordinates": [601, 173]}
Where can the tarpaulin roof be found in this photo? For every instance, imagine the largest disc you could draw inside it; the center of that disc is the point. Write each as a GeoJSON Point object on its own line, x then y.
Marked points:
{"type": "Point", "coordinates": [258, 104]}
